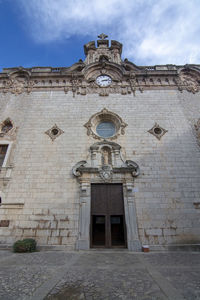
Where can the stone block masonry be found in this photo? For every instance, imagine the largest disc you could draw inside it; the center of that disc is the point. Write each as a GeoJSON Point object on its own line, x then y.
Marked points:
{"type": "Point", "coordinates": [41, 198]}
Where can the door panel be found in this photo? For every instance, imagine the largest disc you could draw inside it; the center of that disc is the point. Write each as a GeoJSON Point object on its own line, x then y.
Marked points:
{"type": "Point", "coordinates": [117, 231]}
{"type": "Point", "coordinates": [98, 230]}
{"type": "Point", "coordinates": [107, 216]}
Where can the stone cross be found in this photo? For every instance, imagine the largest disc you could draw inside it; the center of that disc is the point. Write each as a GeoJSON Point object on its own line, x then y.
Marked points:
{"type": "Point", "coordinates": [102, 36]}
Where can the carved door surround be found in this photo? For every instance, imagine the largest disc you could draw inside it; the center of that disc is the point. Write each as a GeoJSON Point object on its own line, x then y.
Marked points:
{"type": "Point", "coordinates": [106, 168]}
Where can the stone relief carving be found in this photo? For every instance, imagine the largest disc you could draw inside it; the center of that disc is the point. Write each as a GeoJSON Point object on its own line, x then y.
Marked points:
{"type": "Point", "coordinates": [188, 80]}
{"type": "Point", "coordinates": [105, 115]}
{"type": "Point", "coordinates": [18, 82]}
{"type": "Point", "coordinates": [105, 168]}
{"type": "Point", "coordinates": [80, 86]}
{"type": "Point", "coordinates": [157, 131]}
{"type": "Point", "coordinates": [133, 83]}
{"type": "Point", "coordinates": [75, 169]}
{"type": "Point", "coordinates": [105, 172]}
{"type": "Point", "coordinates": [136, 170]}
{"type": "Point", "coordinates": [15, 86]}
{"type": "Point", "coordinates": [54, 132]}
{"type": "Point", "coordinates": [76, 83]}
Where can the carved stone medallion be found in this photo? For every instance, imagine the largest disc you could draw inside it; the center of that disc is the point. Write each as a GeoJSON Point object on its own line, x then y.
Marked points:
{"type": "Point", "coordinates": [105, 172]}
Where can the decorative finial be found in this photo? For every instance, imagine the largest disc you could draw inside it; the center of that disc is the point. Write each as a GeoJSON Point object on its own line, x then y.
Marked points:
{"type": "Point", "coordinates": [102, 36]}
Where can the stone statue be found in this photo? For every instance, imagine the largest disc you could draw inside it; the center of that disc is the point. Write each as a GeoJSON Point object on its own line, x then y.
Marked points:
{"type": "Point", "coordinates": [105, 157]}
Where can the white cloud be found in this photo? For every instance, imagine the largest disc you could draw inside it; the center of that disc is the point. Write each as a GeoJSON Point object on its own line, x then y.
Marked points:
{"type": "Point", "coordinates": [152, 31]}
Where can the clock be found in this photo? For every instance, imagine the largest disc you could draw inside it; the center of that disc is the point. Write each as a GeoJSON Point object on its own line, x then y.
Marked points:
{"type": "Point", "coordinates": [103, 80]}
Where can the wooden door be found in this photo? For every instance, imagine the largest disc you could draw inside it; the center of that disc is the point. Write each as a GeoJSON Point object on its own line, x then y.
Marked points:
{"type": "Point", "coordinates": [107, 216]}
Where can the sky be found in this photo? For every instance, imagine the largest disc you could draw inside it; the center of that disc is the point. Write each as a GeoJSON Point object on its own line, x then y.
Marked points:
{"type": "Point", "coordinates": [53, 32]}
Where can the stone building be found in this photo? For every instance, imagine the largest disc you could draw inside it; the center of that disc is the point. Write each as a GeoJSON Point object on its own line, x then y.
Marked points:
{"type": "Point", "coordinates": [104, 153]}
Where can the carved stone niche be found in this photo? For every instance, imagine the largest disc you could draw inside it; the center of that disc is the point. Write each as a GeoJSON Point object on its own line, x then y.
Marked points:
{"type": "Point", "coordinates": [106, 166]}
{"type": "Point", "coordinates": [7, 129]}
{"type": "Point", "coordinates": [105, 116]}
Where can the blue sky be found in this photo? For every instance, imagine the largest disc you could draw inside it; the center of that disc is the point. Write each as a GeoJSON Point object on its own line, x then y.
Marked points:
{"type": "Point", "coordinates": [53, 32]}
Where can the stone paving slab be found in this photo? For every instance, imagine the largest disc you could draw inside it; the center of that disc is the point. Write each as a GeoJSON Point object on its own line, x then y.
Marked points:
{"type": "Point", "coordinates": [187, 282]}
{"type": "Point", "coordinates": [99, 275]}
{"type": "Point", "coordinates": [173, 259]}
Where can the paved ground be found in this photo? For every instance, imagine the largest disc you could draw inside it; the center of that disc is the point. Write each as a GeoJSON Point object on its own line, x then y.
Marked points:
{"type": "Point", "coordinates": [99, 275]}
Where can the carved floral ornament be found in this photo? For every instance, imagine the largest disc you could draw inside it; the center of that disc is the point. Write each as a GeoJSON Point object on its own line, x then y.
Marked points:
{"type": "Point", "coordinates": [109, 123]}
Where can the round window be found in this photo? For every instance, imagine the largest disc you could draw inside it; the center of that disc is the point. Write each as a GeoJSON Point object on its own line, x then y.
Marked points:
{"type": "Point", "coordinates": [106, 129]}
{"type": "Point", "coordinates": [54, 131]}
{"type": "Point", "coordinates": [157, 130]}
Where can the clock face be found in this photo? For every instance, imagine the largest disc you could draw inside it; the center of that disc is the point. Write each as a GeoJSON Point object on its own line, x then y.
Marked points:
{"type": "Point", "coordinates": [103, 80]}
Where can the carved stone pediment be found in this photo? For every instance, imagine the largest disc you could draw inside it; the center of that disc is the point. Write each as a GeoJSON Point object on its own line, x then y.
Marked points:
{"type": "Point", "coordinates": [131, 67]}
{"type": "Point", "coordinates": [77, 67]}
{"type": "Point", "coordinates": [106, 162]}
{"type": "Point", "coordinates": [92, 71]}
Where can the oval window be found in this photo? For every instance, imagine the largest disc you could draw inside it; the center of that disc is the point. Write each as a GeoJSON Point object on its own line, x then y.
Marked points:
{"type": "Point", "coordinates": [106, 129]}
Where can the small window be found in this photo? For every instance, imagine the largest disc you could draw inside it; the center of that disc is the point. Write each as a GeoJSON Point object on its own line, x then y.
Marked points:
{"type": "Point", "coordinates": [106, 129]}
{"type": "Point", "coordinates": [3, 150]}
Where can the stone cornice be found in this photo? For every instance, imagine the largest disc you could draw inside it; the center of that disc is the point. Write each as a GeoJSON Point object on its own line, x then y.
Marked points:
{"type": "Point", "coordinates": [80, 78]}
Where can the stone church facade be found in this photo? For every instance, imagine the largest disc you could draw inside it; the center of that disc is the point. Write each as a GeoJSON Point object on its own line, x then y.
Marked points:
{"type": "Point", "coordinates": [104, 153]}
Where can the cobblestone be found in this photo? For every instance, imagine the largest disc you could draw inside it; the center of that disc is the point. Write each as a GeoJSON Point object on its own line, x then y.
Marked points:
{"type": "Point", "coordinates": [99, 275]}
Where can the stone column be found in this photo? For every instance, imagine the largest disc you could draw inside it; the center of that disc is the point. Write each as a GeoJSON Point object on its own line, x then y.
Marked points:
{"type": "Point", "coordinates": [83, 242]}
{"type": "Point", "coordinates": [118, 161]}
{"type": "Point", "coordinates": [131, 218]}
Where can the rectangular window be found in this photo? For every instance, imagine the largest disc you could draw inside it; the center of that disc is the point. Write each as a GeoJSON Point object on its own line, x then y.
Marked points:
{"type": "Point", "coordinates": [3, 150]}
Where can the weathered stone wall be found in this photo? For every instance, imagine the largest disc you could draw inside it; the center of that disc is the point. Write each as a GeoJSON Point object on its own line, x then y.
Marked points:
{"type": "Point", "coordinates": [165, 191]}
